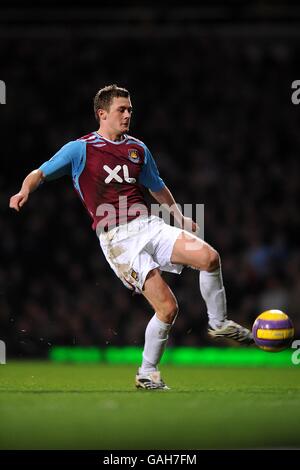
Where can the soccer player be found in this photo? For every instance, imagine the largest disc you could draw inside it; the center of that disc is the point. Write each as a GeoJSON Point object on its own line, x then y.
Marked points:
{"type": "Point", "coordinates": [108, 168]}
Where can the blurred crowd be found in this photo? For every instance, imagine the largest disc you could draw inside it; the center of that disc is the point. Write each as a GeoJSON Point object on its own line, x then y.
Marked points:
{"type": "Point", "coordinates": [216, 112]}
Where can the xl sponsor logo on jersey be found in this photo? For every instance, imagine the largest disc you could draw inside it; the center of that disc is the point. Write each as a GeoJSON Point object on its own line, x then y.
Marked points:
{"type": "Point", "coordinates": [113, 174]}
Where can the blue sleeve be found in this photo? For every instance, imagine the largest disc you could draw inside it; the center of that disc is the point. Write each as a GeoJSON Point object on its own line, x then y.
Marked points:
{"type": "Point", "coordinates": [61, 163]}
{"type": "Point", "coordinates": [149, 176]}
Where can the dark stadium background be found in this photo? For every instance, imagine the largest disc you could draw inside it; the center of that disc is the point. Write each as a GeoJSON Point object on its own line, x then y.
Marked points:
{"type": "Point", "coordinates": [211, 90]}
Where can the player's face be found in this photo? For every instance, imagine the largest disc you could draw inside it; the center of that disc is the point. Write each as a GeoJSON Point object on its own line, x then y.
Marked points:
{"type": "Point", "coordinates": [119, 115]}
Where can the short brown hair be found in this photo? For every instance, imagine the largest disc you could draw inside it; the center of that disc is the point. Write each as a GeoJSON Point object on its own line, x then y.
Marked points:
{"type": "Point", "coordinates": [104, 97]}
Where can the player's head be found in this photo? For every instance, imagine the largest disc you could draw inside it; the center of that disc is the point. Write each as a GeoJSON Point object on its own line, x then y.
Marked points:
{"type": "Point", "coordinates": [112, 107]}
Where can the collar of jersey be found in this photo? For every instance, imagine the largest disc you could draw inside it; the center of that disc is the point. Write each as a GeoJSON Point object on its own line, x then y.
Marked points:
{"type": "Point", "coordinates": [111, 141]}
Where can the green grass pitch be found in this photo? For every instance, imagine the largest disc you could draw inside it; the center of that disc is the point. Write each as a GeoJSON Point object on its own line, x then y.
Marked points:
{"type": "Point", "coordinates": [45, 405]}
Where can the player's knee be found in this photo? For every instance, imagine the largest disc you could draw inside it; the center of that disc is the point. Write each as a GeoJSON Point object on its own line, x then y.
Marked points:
{"type": "Point", "coordinates": [169, 311]}
{"type": "Point", "coordinates": [213, 261]}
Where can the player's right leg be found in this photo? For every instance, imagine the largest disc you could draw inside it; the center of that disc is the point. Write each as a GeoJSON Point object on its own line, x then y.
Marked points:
{"type": "Point", "coordinates": [164, 303]}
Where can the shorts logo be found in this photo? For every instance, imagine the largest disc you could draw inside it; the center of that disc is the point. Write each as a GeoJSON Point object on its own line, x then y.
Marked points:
{"type": "Point", "coordinates": [133, 155]}
{"type": "Point", "coordinates": [134, 275]}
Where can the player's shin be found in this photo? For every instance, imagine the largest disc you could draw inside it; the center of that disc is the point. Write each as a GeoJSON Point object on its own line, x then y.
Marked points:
{"type": "Point", "coordinates": [156, 337]}
{"type": "Point", "coordinates": [213, 293]}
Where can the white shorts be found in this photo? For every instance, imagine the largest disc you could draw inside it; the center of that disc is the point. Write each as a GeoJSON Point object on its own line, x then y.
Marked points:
{"type": "Point", "coordinates": [136, 248]}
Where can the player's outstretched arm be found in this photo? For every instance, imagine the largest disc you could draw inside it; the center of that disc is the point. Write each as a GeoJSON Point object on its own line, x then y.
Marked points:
{"type": "Point", "coordinates": [30, 183]}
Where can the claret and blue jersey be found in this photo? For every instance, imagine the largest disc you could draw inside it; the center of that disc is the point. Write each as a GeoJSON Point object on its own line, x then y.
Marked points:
{"type": "Point", "coordinates": [104, 171]}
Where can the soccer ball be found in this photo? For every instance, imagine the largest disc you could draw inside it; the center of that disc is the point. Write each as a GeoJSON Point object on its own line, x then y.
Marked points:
{"type": "Point", "coordinates": [273, 331]}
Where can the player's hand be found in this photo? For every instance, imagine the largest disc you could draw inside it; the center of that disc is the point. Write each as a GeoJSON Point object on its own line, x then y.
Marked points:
{"type": "Point", "coordinates": [18, 200]}
{"type": "Point", "coordinates": [190, 226]}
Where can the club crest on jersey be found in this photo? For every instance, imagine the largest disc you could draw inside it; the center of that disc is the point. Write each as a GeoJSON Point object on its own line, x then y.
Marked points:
{"type": "Point", "coordinates": [133, 155]}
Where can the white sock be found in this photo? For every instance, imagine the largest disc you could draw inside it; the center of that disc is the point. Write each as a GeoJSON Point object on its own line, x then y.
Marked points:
{"type": "Point", "coordinates": [156, 337]}
{"type": "Point", "coordinates": [213, 293]}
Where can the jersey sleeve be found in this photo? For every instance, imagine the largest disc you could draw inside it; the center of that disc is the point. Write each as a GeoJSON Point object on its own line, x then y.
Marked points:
{"type": "Point", "coordinates": [149, 176]}
{"type": "Point", "coordinates": [61, 163]}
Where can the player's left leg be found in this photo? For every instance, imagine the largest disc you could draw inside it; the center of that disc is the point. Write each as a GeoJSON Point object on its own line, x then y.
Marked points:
{"type": "Point", "coordinates": [164, 303]}
{"type": "Point", "coordinates": [190, 250]}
